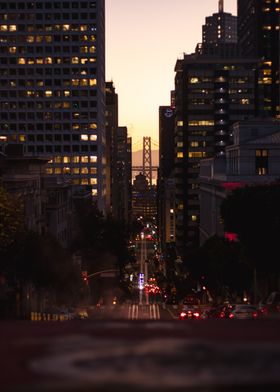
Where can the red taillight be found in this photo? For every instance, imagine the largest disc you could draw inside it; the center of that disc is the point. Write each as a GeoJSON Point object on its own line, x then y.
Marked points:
{"type": "Point", "coordinates": [196, 314]}
{"type": "Point", "coordinates": [255, 314]}
{"type": "Point", "coordinates": [231, 316]}
{"type": "Point", "coordinates": [222, 315]}
{"type": "Point", "coordinates": [183, 314]}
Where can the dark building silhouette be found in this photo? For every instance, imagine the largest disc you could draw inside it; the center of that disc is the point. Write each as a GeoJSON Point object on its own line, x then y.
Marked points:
{"type": "Point", "coordinates": [219, 28]}
{"type": "Point", "coordinates": [144, 199]}
{"type": "Point", "coordinates": [112, 123]}
{"type": "Point", "coordinates": [258, 36]}
{"type": "Point", "coordinates": [166, 200]}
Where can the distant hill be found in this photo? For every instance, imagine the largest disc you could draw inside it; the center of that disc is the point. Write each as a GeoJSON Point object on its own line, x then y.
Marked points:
{"type": "Point", "coordinates": [137, 158]}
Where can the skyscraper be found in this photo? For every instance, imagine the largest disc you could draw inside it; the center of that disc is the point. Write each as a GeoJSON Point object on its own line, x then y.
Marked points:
{"type": "Point", "coordinates": [214, 88]}
{"type": "Point", "coordinates": [52, 85]}
{"type": "Point", "coordinates": [221, 27]}
{"type": "Point", "coordinates": [258, 36]}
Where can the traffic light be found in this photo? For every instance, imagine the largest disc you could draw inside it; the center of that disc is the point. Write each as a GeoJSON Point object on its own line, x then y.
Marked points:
{"type": "Point", "coordinates": [85, 276]}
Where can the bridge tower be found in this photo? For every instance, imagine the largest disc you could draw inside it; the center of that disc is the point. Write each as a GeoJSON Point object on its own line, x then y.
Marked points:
{"type": "Point", "coordinates": [147, 159]}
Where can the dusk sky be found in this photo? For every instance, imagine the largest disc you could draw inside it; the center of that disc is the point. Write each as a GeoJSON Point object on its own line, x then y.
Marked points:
{"type": "Point", "coordinates": [143, 41]}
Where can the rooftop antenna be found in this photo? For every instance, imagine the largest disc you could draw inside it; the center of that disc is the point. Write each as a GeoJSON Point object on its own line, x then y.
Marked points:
{"type": "Point", "coordinates": [221, 6]}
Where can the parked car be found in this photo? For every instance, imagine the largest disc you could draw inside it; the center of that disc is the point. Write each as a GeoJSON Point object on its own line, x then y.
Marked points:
{"type": "Point", "coordinates": [271, 306]}
{"type": "Point", "coordinates": [244, 312]}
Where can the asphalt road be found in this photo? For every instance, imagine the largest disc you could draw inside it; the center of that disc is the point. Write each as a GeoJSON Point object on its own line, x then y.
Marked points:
{"type": "Point", "coordinates": [140, 348]}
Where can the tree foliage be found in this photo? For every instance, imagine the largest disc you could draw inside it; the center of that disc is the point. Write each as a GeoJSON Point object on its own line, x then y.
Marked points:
{"type": "Point", "coordinates": [11, 218]}
{"type": "Point", "coordinates": [253, 213]}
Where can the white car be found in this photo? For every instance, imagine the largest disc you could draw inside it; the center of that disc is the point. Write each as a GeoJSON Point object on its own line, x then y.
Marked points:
{"type": "Point", "coordinates": [244, 312]}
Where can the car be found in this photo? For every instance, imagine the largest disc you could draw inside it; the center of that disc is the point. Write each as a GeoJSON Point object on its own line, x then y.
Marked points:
{"type": "Point", "coordinates": [244, 312]}
{"type": "Point", "coordinates": [216, 312]}
{"type": "Point", "coordinates": [271, 306]}
{"type": "Point", "coordinates": [189, 312]}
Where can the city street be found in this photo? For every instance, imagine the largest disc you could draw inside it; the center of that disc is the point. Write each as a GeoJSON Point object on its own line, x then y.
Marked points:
{"type": "Point", "coordinates": [132, 347]}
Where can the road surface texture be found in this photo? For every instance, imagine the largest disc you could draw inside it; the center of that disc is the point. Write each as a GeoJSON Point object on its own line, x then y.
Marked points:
{"type": "Point", "coordinates": [140, 348]}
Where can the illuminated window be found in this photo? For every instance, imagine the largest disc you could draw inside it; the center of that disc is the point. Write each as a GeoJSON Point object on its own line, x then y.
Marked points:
{"type": "Point", "coordinates": [84, 159]}
{"type": "Point", "coordinates": [92, 49]}
{"type": "Point", "coordinates": [66, 93]}
{"type": "Point", "coordinates": [84, 181]}
{"type": "Point", "coordinates": [3, 28]}
{"type": "Point", "coordinates": [22, 138]}
{"type": "Point", "coordinates": [66, 159]}
{"type": "Point", "coordinates": [93, 126]}
{"type": "Point", "coordinates": [197, 154]}
{"type": "Point", "coordinates": [194, 144]}
{"type": "Point", "coordinates": [66, 170]}
{"type": "Point", "coordinates": [194, 218]}
{"type": "Point", "coordinates": [48, 60]}
{"type": "Point", "coordinates": [49, 171]}
{"type": "Point", "coordinates": [92, 82]}
{"type": "Point", "coordinates": [180, 144]}
{"type": "Point", "coordinates": [84, 49]}
{"type": "Point", "coordinates": [201, 123]}
{"type": "Point", "coordinates": [76, 170]}
{"type": "Point", "coordinates": [65, 27]}
{"type": "Point", "coordinates": [83, 27]}
{"type": "Point", "coordinates": [193, 80]}
{"type": "Point", "coordinates": [180, 155]}
{"type": "Point", "coordinates": [93, 138]}
{"type": "Point", "coordinates": [93, 158]}
{"type": "Point", "coordinates": [57, 170]}
{"type": "Point", "coordinates": [57, 159]}
{"type": "Point", "coordinates": [76, 159]}
{"type": "Point", "coordinates": [180, 123]}
{"type": "Point", "coordinates": [13, 49]}
{"type": "Point", "coordinates": [93, 170]}
{"type": "Point", "coordinates": [75, 60]}
{"type": "Point", "coordinates": [261, 162]}
{"type": "Point", "coordinates": [48, 93]}
{"type": "Point", "coordinates": [94, 192]}
{"type": "Point", "coordinates": [84, 137]}
{"type": "Point", "coordinates": [13, 28]}
{"type": "Point", "coordinates": [21, 60]}
{"type": "Point", "coordinates": [93, 181]}
{"type": "Point", "coordinates": [84, 170]}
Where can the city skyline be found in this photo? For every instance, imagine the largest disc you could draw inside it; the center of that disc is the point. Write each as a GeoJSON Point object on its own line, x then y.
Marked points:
{"type": "Point", "coordinates": [162, 44]}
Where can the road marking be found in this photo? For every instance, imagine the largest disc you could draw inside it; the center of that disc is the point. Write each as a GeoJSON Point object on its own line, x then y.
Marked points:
{"type": "Point", "coordinates": [133, 312]}
{"type": "Point", "coordinates": [154, 312]}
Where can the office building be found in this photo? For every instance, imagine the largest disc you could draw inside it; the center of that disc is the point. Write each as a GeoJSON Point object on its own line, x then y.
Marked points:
{"type": "Point", "coordinates": [211, 94]}
{"type": "Point", "coordinates": [52, 86]}
{"type": "Point", "coordinates": [252, 159]}
{"type": "Point", "coordinates": [258, 36]}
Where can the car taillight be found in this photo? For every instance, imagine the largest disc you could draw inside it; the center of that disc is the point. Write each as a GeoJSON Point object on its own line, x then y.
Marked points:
{"type": "Point", "coordinates": [196, 314]}
{"type": "Point", "coordinates": [255, 314]}
{"type": "Point", "coordinates": [183, 314]}
{"type": "Point", "coordinates": [222, 315]}
{"type": "Point", "coordinates": [231, 316]}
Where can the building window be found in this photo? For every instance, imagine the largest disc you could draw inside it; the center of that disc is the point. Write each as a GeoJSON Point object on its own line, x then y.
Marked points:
{"type": "Point", "coordinates": [261, 162]}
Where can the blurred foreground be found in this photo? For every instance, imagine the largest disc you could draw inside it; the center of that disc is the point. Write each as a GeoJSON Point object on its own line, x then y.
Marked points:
{"type": "Point", "coordinates": [110, 351]}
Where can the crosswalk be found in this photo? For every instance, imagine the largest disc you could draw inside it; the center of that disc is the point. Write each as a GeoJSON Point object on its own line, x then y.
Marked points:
{"type": "Point", "coordinates": [140, 312]}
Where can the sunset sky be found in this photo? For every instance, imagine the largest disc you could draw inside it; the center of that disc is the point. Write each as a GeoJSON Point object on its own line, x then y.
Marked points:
{"type": "Point", "coordinates": [143, 41]}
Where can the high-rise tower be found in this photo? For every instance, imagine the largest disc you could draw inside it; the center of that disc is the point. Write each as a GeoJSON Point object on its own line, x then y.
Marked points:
{"type": "Point", "coordinates": [258, 36]}
{"type": "Point", "coordinates": [221, 27]}
{"type": "Point", "coordinates": [52, 85]}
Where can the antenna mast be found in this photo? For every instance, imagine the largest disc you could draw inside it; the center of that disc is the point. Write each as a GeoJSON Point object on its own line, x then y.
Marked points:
{"type": "Point", "coordinates": [221, 6]}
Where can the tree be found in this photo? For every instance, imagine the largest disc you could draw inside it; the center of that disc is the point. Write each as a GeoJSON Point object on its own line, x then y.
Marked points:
{"type": "Point", "coordinates": [11, 218]}
{"type": "Point", "coordinates": [253, 213]}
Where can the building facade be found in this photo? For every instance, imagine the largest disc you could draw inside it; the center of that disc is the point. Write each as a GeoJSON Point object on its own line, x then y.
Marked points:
{"type": "Point", "coordinates": [252, 159]}
{"type": "Point", "coordinates": [52, 86]}
{"type": "Point", "coordinates": [211, 93]}
{"type": "Point", "coordinates": [166, 200]}
{"type": "Point", "coordinates": [258, 36]}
